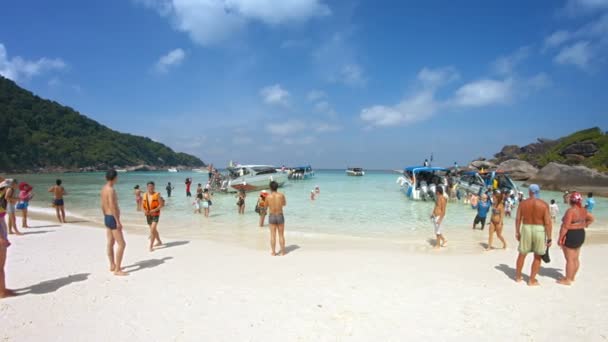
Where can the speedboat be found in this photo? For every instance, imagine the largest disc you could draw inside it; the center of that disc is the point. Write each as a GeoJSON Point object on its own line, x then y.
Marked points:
{"type": "Point", "coordinates": [355, 171]}
{"type": "Point", "coordinates": [300, 172]}
{"type": "Point", "coordinates": [199, 170]}
{"type": "Point", "coordinates": [172, 169]}
{"type": "Point", "coordinates": [121, 170]}
{"type": "Point", "coordinates": [421, 182]}
{"type": "Point", "coordinates": [252, 178]}
{"type": "Point", "coordinates": [474, 182]}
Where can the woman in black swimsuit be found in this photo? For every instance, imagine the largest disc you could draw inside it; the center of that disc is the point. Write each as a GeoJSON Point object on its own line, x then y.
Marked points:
{"type": "Point", "coordinates": [572, 235]}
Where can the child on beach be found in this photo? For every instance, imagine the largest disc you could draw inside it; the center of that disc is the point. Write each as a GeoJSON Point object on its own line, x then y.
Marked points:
{"type": "Point", "coordinates": [197, 203]}
{"type": "Point", "coordinates": [554, 210]}
{"type": "Point", "coordinates": [508, 206]}
{"type": "Point", "coordinates": [25, 196]}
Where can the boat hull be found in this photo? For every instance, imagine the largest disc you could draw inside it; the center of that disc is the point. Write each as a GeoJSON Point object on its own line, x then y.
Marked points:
{"type": "Point", "coordinates": [355, 173]}
{"type": "Point", "coordinates": [256, 183]}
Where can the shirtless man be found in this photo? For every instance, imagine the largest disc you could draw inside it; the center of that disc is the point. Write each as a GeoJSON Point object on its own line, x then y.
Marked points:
{"type": "Point", "coordinates": [438, 216]}
{"type": "Point", "coordinates": [111, 214]}
{"type": "Point", "coordinates": [275, 203]}
{"type": "Point", "coordinates": [58, 193]}
{"type": "Point", "coordinates": [533, 230]}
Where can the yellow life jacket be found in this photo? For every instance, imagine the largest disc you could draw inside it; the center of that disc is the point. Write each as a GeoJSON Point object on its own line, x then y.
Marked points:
{"type": "Point", "coordinates": [152, 203]}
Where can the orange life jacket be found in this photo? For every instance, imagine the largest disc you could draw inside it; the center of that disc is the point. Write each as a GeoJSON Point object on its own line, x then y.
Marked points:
{"type": "Point", "coordinates": [152, 204]}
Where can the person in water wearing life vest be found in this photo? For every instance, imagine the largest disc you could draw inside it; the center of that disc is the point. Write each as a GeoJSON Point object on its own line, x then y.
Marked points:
{"type": "Point", "coordinates": [153, 203]}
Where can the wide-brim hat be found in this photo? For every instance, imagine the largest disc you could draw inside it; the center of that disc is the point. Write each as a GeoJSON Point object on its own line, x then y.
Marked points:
{"type": "Point", "coordinates": [7, 182]}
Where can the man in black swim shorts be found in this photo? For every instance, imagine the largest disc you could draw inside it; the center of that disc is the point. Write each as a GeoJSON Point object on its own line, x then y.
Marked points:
{"type": "Point", "coordinates": [275, 203]}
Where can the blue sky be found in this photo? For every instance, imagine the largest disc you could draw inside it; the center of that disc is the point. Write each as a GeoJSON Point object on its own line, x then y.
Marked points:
{"type": "Point", "coordinates": [380, 84]}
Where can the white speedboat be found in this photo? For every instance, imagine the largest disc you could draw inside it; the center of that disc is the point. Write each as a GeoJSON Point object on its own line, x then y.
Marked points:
{"type": "Point", "coordinates": [252, 178]}
{"type": "Point", "coordinates": [172, 169]}
{"type": "Point", "coordinates": [300, 172]}
{"type": "Point", "coordinates": [355, 171]}
{"type": "Point", "coordinates": [121, 170]}
{"type": "Point", "coordinates": [199, 170]}
{"type": "Point", "coordinates": [421, 182]}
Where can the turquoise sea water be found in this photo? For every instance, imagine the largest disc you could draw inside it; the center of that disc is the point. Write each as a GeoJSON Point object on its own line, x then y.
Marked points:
{"type": "Point", "coordinates": [369, 206]}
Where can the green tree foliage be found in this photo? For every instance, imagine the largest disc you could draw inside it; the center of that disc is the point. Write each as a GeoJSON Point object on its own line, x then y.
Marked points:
{"type": "Point", "coordinates": [37, 133]}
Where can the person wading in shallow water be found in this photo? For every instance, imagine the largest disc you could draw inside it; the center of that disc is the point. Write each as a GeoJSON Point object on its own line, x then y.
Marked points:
{"type": "Point", "coordinates": [533, 230]}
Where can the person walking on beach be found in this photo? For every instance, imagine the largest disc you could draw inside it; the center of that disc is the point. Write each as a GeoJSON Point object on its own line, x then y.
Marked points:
{"type": "Point", "coordinates": [590, 202]}
{"type": "Point", "coordinates": [25, 196]}
{"type": "Point", "coordinates": [482, 207]}
{"type": "Point", "coordinates": [12, 197]}
{"type": "Point", "coordinates": [169, 188]}
{"type": "Point", "coordinates": [111, 215]}
{"type": "Point", "coordinates": [275, 203]}
{"type": "Point", "coordinates": [572, 236]}
{"type": "Point", "coordinates": [533, 230]}
{"type": "Point", "coordinates": [58, 193]}
{"type": "Point", "coordinates": [437, 217]}
{"type": "Point", "coordinates": [554, 209]}
{"type": "Point", "coordinates": [137, 192]}
{"type": "Point", "coordinates": [4, 242]}
{"type": "Point", "coordinates": [206, 202]}
{"type": "Point", "coordinates": [240, 202]}
{"type": "Point", "coordinates": [497, 220]}
{"type": "Point", "coordinates": [188, 184]}
{"type": "Point", "coordinates": [261, 207]}
{"type": "Point", "coordinates": [153, 203]}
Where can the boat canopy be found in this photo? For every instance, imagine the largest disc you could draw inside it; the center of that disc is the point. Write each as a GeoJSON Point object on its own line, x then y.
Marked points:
{"type": "Point", "coordinates": [302, 168]}
{"type": "Point", "coordinates": [416, 169]}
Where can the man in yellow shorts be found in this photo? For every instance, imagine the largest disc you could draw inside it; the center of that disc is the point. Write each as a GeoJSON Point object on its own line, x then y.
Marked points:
{"type": "Point", "coordinates": [533, 230]}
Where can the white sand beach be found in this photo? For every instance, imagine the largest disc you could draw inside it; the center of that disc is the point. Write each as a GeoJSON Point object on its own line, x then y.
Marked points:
{"type": "Point", "coordinates": [198, 290]}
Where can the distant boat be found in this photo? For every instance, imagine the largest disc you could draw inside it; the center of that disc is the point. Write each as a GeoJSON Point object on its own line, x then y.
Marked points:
{"type": "Point", "coordinates": [301, 172]}
{"type": "Point", "coordinates": [121, 170]}
{"type": "Point", "coordinates": [252, 178]}
{"type": "Point", "coordinates": [172, 169]}
{"type": "Point", "coordinates": [199, 170]}
{"type": "Point", "coordinates": [355, 171]}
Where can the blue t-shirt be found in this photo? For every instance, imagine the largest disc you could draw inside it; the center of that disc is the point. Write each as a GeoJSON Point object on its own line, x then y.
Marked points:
{"type": "Point", "coordinates": [483, 208]}
{"type": "Point", "coordinates": [589, 204]}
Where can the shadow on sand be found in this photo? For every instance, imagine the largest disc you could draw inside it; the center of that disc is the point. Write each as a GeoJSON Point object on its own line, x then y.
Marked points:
{"type": "Point", "coordinates": [50, 286]}
{"type": "Point", "coordinates": [510, 272]}
{"type": "Point", "coordinates": [549, 272]}
{"type": "Point", "coordinates": [37, 232]}
{"type": "Point", "coordinates": [142, 265]}
{"type": "Point", "coordinates": [47, 226]}
{"type": "Point", "coordinates": [291, 248]}
{"type": "Point", "coordinates": [174, 244]}
{"type": "Point", "coordinates": [81, 221]}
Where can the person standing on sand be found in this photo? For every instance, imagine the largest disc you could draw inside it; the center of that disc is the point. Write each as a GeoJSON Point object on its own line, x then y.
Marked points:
{"type": "Point", "coordinates": [12, 197]}
{"type": "Point", "coordinates": [153, 203]}
{"type": "Point", "coordinates": [4, 242]}
{"type": "Point", "coordinates": [58, 193]}
{"type": "Point", "coordinates": [275, 203]}
{"type": "Point", "coordinates": [533, 230]}
{"type": "Point", "coordinates": [169, 188]}
{"type": "Point", "coordinates": [572, 236]}
{"type": "Point", "coordinates": [111, 216]}
{"type": "Point", "coordinates": [137, 192]}
{"type": "Point", "coordinates": [206, 202]}
{"type": "Point", "coordinates": [437, 217]}
{"type": "Point", "coordinates": [25, 196]}
{"type": "Point", "coordinates": [497, 220]}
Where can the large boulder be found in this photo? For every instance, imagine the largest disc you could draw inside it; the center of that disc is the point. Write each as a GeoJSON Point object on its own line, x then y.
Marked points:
{"type": "Point", "coordinates": [562, 177]}
{"type": "Point", "coordinates": [586, 149]}
{"type": "Point", "coordinates": [518, 169]}
{"type": "Point", "coordinates": [508, 152]}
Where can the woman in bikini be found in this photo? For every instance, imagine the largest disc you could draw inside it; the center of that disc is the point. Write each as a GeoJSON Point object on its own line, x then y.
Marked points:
{"type": "Point", "coordinates": [137, 193]}
{"type": "Point", "coordinates": [496, 221]}
{"type": "Point", "coordinates": [572, 235]}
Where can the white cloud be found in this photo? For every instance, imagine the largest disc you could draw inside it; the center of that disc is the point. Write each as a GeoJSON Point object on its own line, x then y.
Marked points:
{"type": "Point", "coordinates": [418, 107]}
{"type": "Point", "coordinates": [578, 54]}
{"type": "Point", "coordinates": [286, 128]}
{"type": "Point", "coordinates": [437, 77]}
{"type": "Point", "coordinates": [323, 127]}
{"type": "Point", "coordinates": [483, 92]}
{"type": "Point", "coordinates": [539, 81]}
{"type": "Point", "coordinates": [352, 75]}
{"type": "Point", "coordinates": [557, 38]}
{"type": "Point", "coordinates": [315, 95]}
{"type": "Point", "coordinates": [579, 7]}
{"type": "Point", "coordinates": [212, 21]}
{"type": "Point", "coordinates": [171, 59]}
{"type": "Point", "coordinates": [275, 95]}
{"type": "Point", "coordinates": [17, 68]}
{"type": "Point", "coordinates": [506, 65]}
{"type": "Point", "coordinates": [306, 140]}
